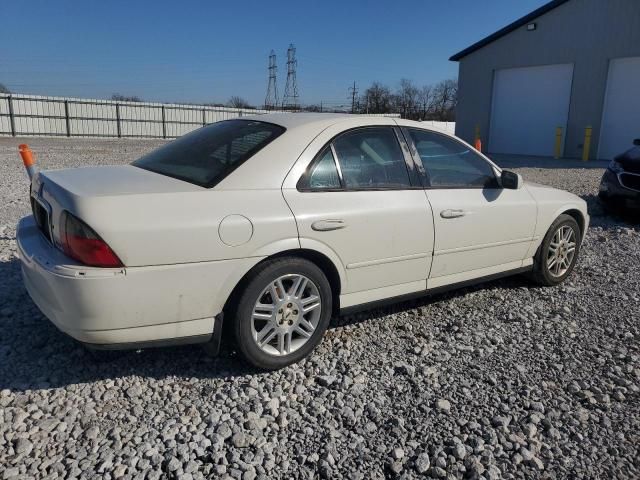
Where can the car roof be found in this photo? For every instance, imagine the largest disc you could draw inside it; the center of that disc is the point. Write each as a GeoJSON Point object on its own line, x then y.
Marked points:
{"type": "Point", "coordinates": [295, 120]}
{"type": "Point", "coordinates": [291, 120]}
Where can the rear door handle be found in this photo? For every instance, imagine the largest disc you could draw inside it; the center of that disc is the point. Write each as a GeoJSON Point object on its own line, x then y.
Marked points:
{"type": "Point", "coordinates": [328, 225]}
{"type": "Point", "coordinates": [452, 213]}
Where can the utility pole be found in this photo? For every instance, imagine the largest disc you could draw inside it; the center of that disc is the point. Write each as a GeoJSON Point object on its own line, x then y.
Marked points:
{"type": "Point", "coordinates": [354, 93]}
{"type": "Point", "coordinates": [271, 100]}
{"type": "Point", "coordinates": [290, 100]}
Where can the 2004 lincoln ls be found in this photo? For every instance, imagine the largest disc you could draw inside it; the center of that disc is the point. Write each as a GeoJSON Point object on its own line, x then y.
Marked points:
{"type": "Point", "coordinates": [276, 222]}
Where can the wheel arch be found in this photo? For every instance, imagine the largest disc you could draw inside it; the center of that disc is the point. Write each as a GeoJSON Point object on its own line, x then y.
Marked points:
{"type": "Point", "coordinates": [321, 260]}
{"type": "Point", "coordinates": [578, 216]}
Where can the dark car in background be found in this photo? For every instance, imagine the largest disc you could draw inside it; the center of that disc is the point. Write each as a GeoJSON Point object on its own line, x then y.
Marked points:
{"type": "Point", "coordinates": [620, 184]}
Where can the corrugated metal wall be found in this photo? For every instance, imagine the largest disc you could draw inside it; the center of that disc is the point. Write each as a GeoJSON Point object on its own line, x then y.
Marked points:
{"type": "Point", "coordinates": [585, 33]}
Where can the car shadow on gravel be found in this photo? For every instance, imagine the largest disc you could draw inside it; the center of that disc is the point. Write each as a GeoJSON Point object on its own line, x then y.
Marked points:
{"type": "Point", "coordinates": [373, 314]}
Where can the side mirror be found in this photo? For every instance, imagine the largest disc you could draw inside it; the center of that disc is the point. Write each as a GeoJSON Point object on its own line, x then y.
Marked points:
{"type": "Point", "coordinates": [636, 142]}
{"type": "Point", "coordinates": [511, 180]}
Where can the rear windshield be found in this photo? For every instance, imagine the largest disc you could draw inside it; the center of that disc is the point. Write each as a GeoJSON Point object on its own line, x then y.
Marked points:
{"type": "Point", "coordinates": [204, 157]}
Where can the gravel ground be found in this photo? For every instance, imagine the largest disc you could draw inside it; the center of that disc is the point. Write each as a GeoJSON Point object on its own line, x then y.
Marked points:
{"type": "Point", "coordinates": [504, 380]}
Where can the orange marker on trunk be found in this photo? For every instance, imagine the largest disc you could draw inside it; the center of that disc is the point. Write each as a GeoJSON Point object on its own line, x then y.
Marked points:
{"type": "Point", "coordinates": [28, 159]}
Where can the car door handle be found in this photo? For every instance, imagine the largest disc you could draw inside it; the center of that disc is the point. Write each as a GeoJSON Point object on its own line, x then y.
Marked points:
{"type": "Point", "coordinates": [328, 225]}
{"type": "Point", "coordinates": [452, 213]}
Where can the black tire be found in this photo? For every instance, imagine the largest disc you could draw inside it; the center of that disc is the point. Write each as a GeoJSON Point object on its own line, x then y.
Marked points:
{"type": "Point", "coordinates": [541, 273]}
{"type": "Point", "coordinates": [255, 283]}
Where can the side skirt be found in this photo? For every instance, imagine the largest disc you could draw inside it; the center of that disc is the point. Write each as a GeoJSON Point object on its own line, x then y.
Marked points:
{"type": "Point", "coordinates": [433, 291]}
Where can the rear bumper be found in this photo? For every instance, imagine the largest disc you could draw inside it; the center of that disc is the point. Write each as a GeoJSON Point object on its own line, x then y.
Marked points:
{"type": "Point", "coordinates": [125, 307]}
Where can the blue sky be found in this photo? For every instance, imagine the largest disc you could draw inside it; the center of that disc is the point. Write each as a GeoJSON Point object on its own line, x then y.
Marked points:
{"type": "Point", "coordinates": [197, 51]}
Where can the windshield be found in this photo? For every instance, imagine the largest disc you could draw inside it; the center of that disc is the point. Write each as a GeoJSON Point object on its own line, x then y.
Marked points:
{"type": "Point", "coordinates": [206, 156]}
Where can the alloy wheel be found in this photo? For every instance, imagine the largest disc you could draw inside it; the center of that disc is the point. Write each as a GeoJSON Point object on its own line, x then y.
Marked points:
{"type": "Point", "coordinates": [286, 314]}
{"type": "Point", "coordinates": [561, 251]}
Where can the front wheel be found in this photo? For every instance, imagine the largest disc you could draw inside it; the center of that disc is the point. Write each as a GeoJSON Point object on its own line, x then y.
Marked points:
{"type": "Point", "coordinates": [282, 313]}
{"type": "Point", "coordinates": [558, 252]}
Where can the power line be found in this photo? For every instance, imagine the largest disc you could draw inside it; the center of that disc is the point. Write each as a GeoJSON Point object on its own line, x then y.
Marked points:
{"type": "Point", "coordinates": [271, 100]}
{"type": "Point", "coordinates": [354, 92]}
{"type": "Point", "coordinates": [290, 99]}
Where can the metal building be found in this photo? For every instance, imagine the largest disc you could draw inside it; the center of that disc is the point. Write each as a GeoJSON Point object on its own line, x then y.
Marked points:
{"type": "Point", "coordinates": [571, 64]}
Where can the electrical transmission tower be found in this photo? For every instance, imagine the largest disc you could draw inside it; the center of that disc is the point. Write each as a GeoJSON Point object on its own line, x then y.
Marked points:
{"type": "Point", "coordinates": [290, 98]}
{"type": "Point", "coordinates": [354, 94]}
{"type": "Point", "coordinates": [271, 100]}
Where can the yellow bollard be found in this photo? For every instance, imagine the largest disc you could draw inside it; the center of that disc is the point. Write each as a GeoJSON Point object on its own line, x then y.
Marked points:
{"type": "Point", "coordinates": [557, 151]}
{"type": "Point", "coordinates": [587, 144]}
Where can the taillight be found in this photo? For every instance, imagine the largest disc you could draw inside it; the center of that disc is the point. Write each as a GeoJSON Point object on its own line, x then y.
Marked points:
{"type": "Point", "coordinates": [81, 243]}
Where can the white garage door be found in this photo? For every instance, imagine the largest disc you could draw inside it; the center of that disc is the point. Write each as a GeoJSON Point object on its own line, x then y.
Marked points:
{"type": "Point", "coordinates": [528, 105]}
{"type": "Point", "coordinates": [621, 115]}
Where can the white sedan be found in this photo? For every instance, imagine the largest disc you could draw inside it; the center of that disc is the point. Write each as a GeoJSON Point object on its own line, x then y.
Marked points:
{"type": "Point", "coordinates": [275, 223]}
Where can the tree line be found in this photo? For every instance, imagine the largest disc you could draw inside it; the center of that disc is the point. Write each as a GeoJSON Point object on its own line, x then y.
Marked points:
{"type": "Point", "coordinates": [428, 102]}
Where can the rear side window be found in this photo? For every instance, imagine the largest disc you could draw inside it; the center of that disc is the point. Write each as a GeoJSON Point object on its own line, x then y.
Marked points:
{"type": "Point", "coordinates": [451, 164]}
{"type": "Point", "coordinates": [206, 156]}
{"type": "Point", "coordinates": [323, 174]}
{"type": "Point", "coordinates": [371, 158]}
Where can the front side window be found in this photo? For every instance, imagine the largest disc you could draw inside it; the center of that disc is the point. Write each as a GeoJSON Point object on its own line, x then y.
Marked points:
{"type": "Point", "coordinates": [371, 158]}
{"type": "Point", "coordinates": [451, 164]}
{"type": "Point", "coordinates": [204, 157]}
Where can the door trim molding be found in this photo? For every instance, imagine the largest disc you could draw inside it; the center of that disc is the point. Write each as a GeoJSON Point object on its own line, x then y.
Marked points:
{"type": "Point", "coordinates": [483, 245]}
{"type": "Point", "coordinates": [381, 261]}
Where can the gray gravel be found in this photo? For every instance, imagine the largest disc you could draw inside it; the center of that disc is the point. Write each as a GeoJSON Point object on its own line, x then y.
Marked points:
{"type": "Point", "coordinates": [503, 380]}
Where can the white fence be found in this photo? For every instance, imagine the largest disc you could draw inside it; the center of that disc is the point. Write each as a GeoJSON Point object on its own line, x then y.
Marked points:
{"type": "Point", "coordinates": [449, 127]}
{"type": "Point", "coordinates": [71, 117]}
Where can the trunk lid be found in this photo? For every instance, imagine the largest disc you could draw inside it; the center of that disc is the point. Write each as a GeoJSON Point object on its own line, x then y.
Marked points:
{"type": "Point", "coordinates": [114, 180]}
{"type": "Point", "coordinates": [109, 199]}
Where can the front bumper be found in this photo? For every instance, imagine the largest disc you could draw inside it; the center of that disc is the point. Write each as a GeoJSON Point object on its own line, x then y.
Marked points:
{"type": "Point", "coordinates": [612, 191]}
{"type": "Point", "coordinates": [122, 307]}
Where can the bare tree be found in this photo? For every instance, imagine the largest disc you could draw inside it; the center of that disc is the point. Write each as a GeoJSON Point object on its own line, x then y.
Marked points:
{"type": "Point", "coordinates": [125, 98]}
{"type": "Point", "coordinates": [4, 89]}
{"type": "Point", "coordinates": [425, 101]}
{"type": "Point", "coordinates": [406, 98]}
{"type": "Point", "coordinates": [376, 99]}
{"type": "Point", "coordinates": [445, 99]}
{"type": "Point", "coordinates": [237, 102]}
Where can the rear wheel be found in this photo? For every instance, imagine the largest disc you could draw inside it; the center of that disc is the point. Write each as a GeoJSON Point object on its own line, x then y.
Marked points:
{"type": "Point", "coordinates": [558, 252]}
{"type": "Point", "coordinates": [282, 313]}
